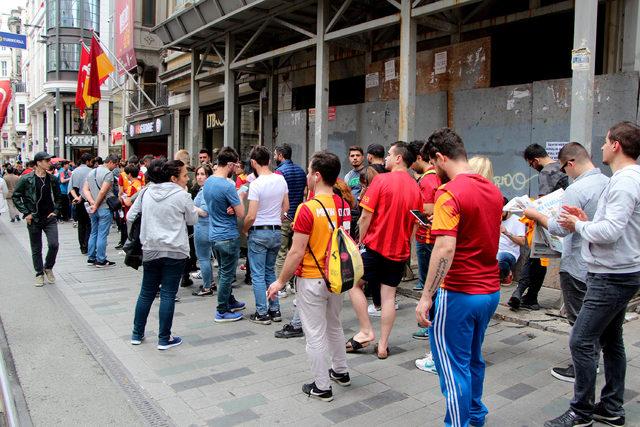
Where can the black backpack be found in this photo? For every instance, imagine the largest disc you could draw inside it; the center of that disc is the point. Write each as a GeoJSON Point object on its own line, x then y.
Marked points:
{"type": "Point", "coordinates": [133, 246]}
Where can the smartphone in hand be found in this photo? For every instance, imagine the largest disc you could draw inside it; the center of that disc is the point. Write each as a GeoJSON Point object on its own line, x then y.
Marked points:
{"type": "Point", "coordinates": [421, 217]}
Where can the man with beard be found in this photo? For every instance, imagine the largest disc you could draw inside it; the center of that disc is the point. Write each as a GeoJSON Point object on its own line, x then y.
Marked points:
{"type": "Point", "coordinates": [225, 209]}
{"type": "Point", "coordinates": [352, 178]}
{"type": "Point", "coordinates": [296, 180]}
{"type": "Point", "coordinates": [386, 226]}
{"type": "Point", "coordinates": [550, 179]}
{"type": "Point", "coordinates": [464, 270]}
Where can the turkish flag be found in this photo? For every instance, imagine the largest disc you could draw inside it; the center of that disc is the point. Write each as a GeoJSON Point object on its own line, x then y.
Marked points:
{"type": "Point", "coordinates": [5, 99]}
{"type": "Point", "coordinates": [83, 100]}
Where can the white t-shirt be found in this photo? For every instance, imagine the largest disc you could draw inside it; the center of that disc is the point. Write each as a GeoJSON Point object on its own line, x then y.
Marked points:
{"type": "Point", "coordinates": [515, 227]}
{"type": "Point", "coordinates": [268, 191]}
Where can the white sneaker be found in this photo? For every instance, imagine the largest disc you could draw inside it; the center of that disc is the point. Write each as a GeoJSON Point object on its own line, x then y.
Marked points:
{"type": "Point", "coordinates": [373, 311]}
{"type": "Point", "coordinates": [426, 364]}
{"type": "Point", "coordinates": [51, 278]}
{"type": "Point", "coordinates": [39, 281]}
{"type": "Point", "coordinates": [282, 294]}
{"type": "Point", "coordinates": [196, 274]}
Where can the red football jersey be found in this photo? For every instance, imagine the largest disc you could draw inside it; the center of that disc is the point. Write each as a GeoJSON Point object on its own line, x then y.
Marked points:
{"type": "Point", "coordinates": [391, 197]}
{"type": "Point", "coordinates": [469, 207]}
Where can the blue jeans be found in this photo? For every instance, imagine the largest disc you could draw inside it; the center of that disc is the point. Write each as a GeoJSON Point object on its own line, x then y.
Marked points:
{"type": "Point", "coordinates": [599, 325]}
{"type": "Point", "coordinates": [165, 271]}
{"type": "Point", "coordinates": [227, 253]}
{"type": "Point", "coordinates": [456, 342]}
{"type": "Point", "coordinates": [506, 261]}
{"type": "Point", "coordinates": [203, 252]}
{"type": "Point", "coordinates": [263, 246]}
{"type": "Point", "coordinates": [423, 252]}
{"type": "Point", "coordinates": [100, 224]}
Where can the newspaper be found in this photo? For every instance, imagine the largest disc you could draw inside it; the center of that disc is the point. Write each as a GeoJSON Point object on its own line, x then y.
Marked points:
{"type": "Point", "coordinates": [543, 244]}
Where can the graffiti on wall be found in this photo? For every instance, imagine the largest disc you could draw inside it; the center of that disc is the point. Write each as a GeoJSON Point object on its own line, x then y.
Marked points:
{"type": "Point", "coordinates": [517, 181]}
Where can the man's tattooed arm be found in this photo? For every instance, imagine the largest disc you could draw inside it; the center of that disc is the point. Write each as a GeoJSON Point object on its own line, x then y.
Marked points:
{"type": "Point", "coordinates": [441, 271]}
{"type": "Point", "coordinates": [441, 258]}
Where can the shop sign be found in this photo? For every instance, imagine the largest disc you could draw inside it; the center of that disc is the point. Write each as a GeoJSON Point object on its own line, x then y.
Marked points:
{"type": "Point", "coordinates": [116, 136]}
{"type": "Point", "coordinates": [331, 114]}
{"type": "Point", "coordinates": [214, 121]}
{"type": "Point", "coordinates": [152, 127]}
{"type": "Point", "coordinates": [81, 140]}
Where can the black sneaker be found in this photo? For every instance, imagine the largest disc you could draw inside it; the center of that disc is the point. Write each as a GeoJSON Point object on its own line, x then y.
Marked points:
{"type": "Point", "coordinates": [105, 263]}
{"type": "Point", "coordinates": [601, 414]}
{"type": "Point", "coordinates": [569, 419]}
{"type": "Point", "coordinates": [119, 246]}
{"type": "Point", "coordinates": [288, 331]}
{"type": "Point", "coordinates": [514, 303]}
{"type": "Point", "coordinates": [533, 306]}
{"type": "Point", "coordinates": [342, 379]}
{"type": "Point", "coordinates": [91, 261]}
{"type": "Point", "coordinates": [312, 391]}
{"type": "Point", "coordinates": [186, 282]}
{"type": "Point", "coordinates": [262, 319]}
{"type": "Point", "coordinates": [564, 374]}
{"type": "Point", "coordinates": [276, 316]}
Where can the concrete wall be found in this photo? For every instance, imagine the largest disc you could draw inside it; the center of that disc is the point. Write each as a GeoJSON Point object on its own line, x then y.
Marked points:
{"type": "Point", "coordinates": [496, 122]}
{"type": "Point", "coordinates": [500, 122]}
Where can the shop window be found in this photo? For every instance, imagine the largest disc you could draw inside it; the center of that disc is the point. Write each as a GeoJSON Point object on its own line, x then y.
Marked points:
{"type": "Point", "coordinates": [74, 124]}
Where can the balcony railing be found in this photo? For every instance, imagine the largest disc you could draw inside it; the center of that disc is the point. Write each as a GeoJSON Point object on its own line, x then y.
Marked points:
{"type": "Point", "coordinates": [157, 92]}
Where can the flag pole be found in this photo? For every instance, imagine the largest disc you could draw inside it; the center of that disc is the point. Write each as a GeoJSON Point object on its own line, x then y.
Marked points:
{"type": "Point", "coordinates": [124, 69]}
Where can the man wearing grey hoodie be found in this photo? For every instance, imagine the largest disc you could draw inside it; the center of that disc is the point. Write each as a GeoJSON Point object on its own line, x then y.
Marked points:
{"type": "Point", "coordinates": [611, 249]}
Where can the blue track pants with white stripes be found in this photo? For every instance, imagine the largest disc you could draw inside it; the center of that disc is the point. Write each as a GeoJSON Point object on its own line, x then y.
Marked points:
{"type": "Point", "coordinates": [456, 343]}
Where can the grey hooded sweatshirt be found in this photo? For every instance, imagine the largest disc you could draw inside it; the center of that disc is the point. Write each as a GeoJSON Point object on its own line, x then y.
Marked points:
{"type": "Point", "coordinates": [167, 209]}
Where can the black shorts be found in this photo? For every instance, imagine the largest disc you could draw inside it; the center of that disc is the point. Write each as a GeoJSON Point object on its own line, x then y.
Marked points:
{"type": "Point", "coordinates": [380, 270]}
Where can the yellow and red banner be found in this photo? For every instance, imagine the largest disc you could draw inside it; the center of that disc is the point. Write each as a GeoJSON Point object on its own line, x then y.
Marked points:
{"type": "Point", "coordinates": [101, 67]}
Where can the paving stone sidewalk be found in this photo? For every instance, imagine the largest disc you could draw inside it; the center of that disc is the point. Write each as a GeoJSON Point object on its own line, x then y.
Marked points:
{"type": "Point", "coordinates": [239, 374]}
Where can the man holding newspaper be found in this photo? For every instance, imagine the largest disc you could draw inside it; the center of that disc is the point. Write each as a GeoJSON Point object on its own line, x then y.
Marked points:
{"type": "Point", "coordinates": [611, 250]}
{"type": "Point", "coordinates": [584, 192]}
{"type": "Point", "coordinates": [550, 180]}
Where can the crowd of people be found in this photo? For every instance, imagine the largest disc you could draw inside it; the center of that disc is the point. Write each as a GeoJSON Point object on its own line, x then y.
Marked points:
{"type": "Point", "coordinates": [281, 220]}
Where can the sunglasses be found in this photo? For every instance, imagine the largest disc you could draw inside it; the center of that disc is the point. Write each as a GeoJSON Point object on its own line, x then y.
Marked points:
{"type": "Point", "coordinates": [563, 167]}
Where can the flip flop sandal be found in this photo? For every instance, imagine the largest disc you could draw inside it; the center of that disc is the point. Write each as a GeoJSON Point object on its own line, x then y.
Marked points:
{"type": "Point", "coordinates": [354, 346]}
{"type": "Point", "coordinates": [379, 355]}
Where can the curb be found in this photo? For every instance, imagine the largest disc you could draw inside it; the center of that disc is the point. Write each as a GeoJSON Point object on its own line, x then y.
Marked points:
{"type": "Point", "coordinates": [503, 314]}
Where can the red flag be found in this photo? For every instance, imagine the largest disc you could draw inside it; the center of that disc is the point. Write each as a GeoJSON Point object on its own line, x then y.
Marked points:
{"type": "Point", "coordinates": [83, 100]}
{"type": "Point", "coordinates": [101, 67]}
{"type": "Point", "coordinates": [5, 98]}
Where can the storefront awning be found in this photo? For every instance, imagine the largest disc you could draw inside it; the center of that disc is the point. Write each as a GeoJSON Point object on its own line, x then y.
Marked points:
{"type": "Point", "coordinates": [208, 20]}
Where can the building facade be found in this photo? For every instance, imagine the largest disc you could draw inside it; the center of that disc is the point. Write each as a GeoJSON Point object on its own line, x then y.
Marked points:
{"type": "Point", "coordinates": [51, 69]}
{"type": "Point", "coordinates": [13, 132]}
{"type": "Point", "coordinates": [327, 74]}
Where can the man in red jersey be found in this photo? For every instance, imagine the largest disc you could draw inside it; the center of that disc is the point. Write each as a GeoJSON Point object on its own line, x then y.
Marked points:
{"type": "Point", "coordinates": [466, 225]}
{"type": "Point", "coordinates": [386, 226]}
